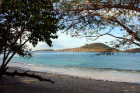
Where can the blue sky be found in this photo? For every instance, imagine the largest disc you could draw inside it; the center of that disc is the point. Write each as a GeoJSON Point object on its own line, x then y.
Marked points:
{"type": "Point", "coordinates": [66, 41]}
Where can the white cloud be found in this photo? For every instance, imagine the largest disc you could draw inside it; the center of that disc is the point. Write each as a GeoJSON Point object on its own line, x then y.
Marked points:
{"type": "Point", "coordinates": [41, 43]}
{"type": "Point", "coordinates": [66, 41]}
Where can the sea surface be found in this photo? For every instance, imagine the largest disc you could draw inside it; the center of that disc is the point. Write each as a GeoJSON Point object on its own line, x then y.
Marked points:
{"type": "Point", "coordinates": [120, 67]}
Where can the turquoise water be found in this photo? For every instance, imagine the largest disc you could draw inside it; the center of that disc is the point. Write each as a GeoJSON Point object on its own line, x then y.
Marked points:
{"type": "Point", "coordinates": [118, 67]}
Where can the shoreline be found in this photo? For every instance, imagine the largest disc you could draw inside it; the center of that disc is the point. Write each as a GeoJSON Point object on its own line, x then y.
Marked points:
{"type": "Point", "coordinates": [96, 75]}
{"type": "Point", "coordinates": [63, 84]}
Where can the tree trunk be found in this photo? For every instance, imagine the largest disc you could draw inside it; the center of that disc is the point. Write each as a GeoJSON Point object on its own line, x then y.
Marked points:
{"type": "Point", "coordinates": [2, 71]}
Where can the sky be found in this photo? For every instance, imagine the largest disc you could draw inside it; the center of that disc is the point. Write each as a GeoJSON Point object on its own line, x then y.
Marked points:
{"type": "Point", "coordinates": [66, 41]}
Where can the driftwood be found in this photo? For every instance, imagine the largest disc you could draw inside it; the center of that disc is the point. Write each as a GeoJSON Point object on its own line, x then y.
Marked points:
{"type": "Point", "coordinates": [27, 74]}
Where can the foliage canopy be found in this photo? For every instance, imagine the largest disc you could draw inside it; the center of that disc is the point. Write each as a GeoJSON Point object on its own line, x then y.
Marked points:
{"type": "Point", "coordinates": [96, 18]}
{"type": "Point", "coordinates": [23, 21]}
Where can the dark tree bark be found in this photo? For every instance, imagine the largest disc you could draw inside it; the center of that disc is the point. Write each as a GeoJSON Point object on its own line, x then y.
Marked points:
{"type": "Point", "coordinates": [26, 74]}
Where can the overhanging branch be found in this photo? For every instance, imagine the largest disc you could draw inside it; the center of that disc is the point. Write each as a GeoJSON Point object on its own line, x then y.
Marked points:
{"type": "Point", "coordinates": [125, 39]}
{"type": "Point", "coordinates": [113, 19]}
{"type": "Point", "coordinates": [108, 6]}
{"type": "Point", "coordinates": [114, 37]}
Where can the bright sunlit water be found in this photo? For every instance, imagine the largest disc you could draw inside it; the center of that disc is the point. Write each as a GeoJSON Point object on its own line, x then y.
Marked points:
{"type": "Point", "coordinates": [120, 67]}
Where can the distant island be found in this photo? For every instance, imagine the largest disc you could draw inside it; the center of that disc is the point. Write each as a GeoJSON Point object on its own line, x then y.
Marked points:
{"type": "Point", "coordinates": [134, 50]}
{"type": "Point", "coordinates": [94, 47]}
{"type": "Point", "coordinates": [46, 50]}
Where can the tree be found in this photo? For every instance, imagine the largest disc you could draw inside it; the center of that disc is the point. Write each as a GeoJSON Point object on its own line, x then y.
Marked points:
{"type": "Point", "coordinates": [90, 18]}
{"type": "Point", "coordinates": [23, 21]}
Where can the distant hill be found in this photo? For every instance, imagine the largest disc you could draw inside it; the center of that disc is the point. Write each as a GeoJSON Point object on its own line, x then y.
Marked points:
{"type": "Point", "coordinates": [46, 50]}
{"type": "Point", "coordinates": [94, 47]}
{"type": "Point", "coordinates": [134, 50]}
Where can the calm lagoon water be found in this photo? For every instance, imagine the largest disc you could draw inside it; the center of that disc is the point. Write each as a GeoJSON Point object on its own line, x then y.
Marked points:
{"type": "Point", "coordinates": [120, 67]}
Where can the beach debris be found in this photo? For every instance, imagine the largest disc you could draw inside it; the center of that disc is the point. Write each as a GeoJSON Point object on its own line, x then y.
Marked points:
{"type": "Point", "coordinates": [27, 74]}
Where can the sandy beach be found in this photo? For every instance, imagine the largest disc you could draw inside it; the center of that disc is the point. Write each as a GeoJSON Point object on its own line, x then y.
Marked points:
{"type": "Point", "coordinates": [63, 84]}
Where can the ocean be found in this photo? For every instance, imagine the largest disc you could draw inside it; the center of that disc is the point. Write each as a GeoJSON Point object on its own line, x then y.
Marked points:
{"type": "Point", "coordinates": [120, 67]}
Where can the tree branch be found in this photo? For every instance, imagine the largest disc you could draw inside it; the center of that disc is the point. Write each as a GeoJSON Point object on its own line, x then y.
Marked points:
{"type": "Point", "coordinates": [12, 46]}
{"type": "Point", "coordinates": [108, 6]}
{"type": "Point", "coordinates": [125, 39]}
{"type": "Point", "coordinates": [114, 37]}
{"type": "Point", "coordinates": [15, 53]}
{"type": "Point", "coordinates": [113, 19]}
{"type": "Point", "coordinates": [29, 75]}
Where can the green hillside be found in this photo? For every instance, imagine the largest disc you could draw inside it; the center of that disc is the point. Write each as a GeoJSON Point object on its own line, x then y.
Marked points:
{"type": "Point", "coordinates": [96, 46]}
